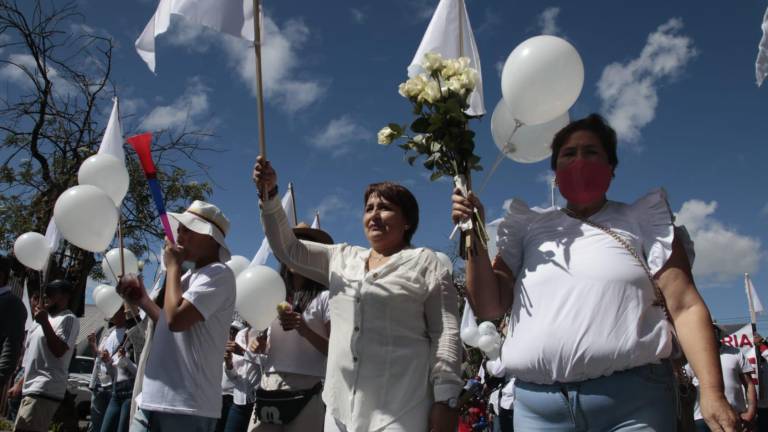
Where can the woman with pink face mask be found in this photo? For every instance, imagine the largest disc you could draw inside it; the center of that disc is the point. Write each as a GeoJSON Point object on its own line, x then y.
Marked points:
{"type": "Point", "coordinates": [588, 288]}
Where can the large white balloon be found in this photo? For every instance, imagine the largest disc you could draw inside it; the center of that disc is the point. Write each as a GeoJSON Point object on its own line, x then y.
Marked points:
{"type": "Point", "coordinates": [259, 290]}
{"type": "Point", "coordinates": [86, 217]}
{"type": "Point", "coordinates": [107, 300]}
{"type": "Point", "coordinates": [445, 261]}
{"type": "Point", "coordinates": [32, 250]}
{"type": "Point", "coordinates": [487, 343]}
{"type": "Point", "coordinates": [541, 79]}
{"type": "Point", "coordinates": [107, 173]}
{"type": "Point", "coordinates": [238, 264]}
{"type": "Point", "coordinates": [486, 328]}
{"type": "Point", "coordinates": [527, 144]}
{"type": "Point", "coordinates": [110, 264]}
{"type": "Point", "coordinates": [470, 336]}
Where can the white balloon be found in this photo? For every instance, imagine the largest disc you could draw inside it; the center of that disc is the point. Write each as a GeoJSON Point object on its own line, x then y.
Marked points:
{"type": "Point", "coordinates": [527, 144]}
{"type": "Point", "coordinates": [470, 336]}
{"type": "Point", "coordinates": [86, 217]}
{"type": "Point", "coordinates": [445, 261]}
{"type": "Point", "coordinates": [107, 300]}
{"type": "Point", "coordinates": [107, 173]}
{"type": "Point", "coordinates": [541, 79]}
{"type": "Point", "coordinates": [487, 343]}
{"type": "Point", "coordinates": [486, 328]}
{"type": "Point", "coordinates": [238, 263]}
{"type": "Point", "coordinates": [110, 264]}
{"type": "Point", "coordinates": [32, 250]}
{"type": "Point", "coordinates": [259, 290]}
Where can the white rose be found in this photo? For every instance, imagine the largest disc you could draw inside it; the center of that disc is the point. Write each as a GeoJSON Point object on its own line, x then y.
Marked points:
{"type": "Point", "coordinates": [431, 93]}
{"type": "Point", "coordinates": [413, 87]}
{"type": "Point", "coordinates": [455, 85]}
{"type": "Point", "coordinates": [433, 62]}
{"type": "Point", "coordinates": [468, 79]}
{"type": "Point", "coordinates": [386, 135]}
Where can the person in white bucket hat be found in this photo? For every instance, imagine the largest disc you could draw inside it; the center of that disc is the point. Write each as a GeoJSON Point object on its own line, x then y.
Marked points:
{"type": "Point", "coordinates": [206, 219]}
{"type": "Point", "coordinates": [181, 388]}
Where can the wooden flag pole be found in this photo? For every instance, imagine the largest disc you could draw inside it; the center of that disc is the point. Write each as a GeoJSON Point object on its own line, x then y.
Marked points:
{"type": "Point", "coordinates": [293, 203]}
{"type": "Point", "coordinates": [259, 81]}
{"type": "Point", "coordinates": [752, 315]}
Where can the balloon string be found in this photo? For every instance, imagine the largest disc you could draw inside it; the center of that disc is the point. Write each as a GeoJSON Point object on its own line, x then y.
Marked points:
{"type": "Point", "coordinates": [500, 158]}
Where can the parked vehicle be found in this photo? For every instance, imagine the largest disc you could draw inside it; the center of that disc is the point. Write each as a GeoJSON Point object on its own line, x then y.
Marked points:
{"type": "Point", "coordinates": [80, 370]}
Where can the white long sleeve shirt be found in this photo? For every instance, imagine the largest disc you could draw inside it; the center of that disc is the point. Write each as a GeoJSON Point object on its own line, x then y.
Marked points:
{"type": "Point", "coordinates": [394, 342]}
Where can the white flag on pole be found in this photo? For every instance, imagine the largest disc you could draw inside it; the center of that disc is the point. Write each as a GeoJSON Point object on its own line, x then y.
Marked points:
{"type": "Point", "coordinates": [316, 221]}
{"type": "Point", "coordinates": [52, 236]}
{"type": "Point", "coordinates": [112, 141]}
{"type": "Point", "coordinates": [233, 17]}
{"type": "Point", "coordinates": [449, 24]}
{"type": "Point", "coordinates": [27, 305]}
{"type": "Point", "coordinates": [757, 305]}
{"type": "Point", "coordinates": [264, 250]}
{"type": "Point", "coordinates": [761, 65]}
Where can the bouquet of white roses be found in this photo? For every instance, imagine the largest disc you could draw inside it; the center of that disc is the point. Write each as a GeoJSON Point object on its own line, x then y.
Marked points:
{"type": "Point", "coordinates": [440, 131]}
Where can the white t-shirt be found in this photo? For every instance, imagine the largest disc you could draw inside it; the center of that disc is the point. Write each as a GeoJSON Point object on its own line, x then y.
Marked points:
{"type": "Point", "coordinates": [734, 364]}
{"type": "Point", "coordinates": [290, 352]}
{"type": "Point", "coordinates": [582, 304]}
{"type": "Point", "coordinates": [44, 373]}
{"type": "Point", "coordinates": [102, 373]}
{"type": "Point", "coordinates": [184, 369]}
{"type": "Point", "coordinates": [246, 370]}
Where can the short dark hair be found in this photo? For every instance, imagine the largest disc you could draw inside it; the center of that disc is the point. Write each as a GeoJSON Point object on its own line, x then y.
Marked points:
{"type": "Point", "coordinates": [61, 285]}
{"type": "Point", "coordinates": [400, 196]}
{"type": "Point", "coordinates": [594, 123]}
{"type": "Point", "coordinates": [5, 267]}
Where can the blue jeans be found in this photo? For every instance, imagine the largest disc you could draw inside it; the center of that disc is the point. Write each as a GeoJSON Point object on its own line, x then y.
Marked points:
{"type": "Point", "coordinates": [238, 418]}
{"type": "Point", "coordinates": [504, 421]}
{"type": "Point", "coordinates": [99, 401]}
{"type": "Point", "coordinates": [638, 399]}
{"type": "Point", "coordinates": [145, 421]}
{"type": "Point", "coordinates": [117, 418]}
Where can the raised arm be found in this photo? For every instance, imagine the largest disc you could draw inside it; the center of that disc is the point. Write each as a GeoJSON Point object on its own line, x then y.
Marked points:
{"type": "Point", "coordinates": [489, 285]}
{"type": "Point", "coordinates": [309, 259]}
{"type": "Point", "coordinates": [694, 330]}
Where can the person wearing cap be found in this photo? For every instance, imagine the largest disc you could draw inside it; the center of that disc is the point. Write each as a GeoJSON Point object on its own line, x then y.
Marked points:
{"type": "Point", "coordinates": [13, 316]}
{"type": "Point", "coordinates": [394, 356]}
{"type": "Point", "coordinates": [243, 368]}
{"type": "Point", "coordinates": [296, 352]}
{"type": "Point", "coordinates": [47, 357]}
{"type": "Point", "coordinates": [122, 368]}
{"type": "Point", "coordinates": [103, 371]}
{"type": "Point", "coordinates": [181, 388]}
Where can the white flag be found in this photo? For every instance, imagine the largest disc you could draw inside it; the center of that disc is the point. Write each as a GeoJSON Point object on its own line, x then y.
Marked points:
{"type": "Point", "coordinates": [112, 141]}
{"type": "Point", "coordinates": [27, 305]}
{"type": "Point", "coordinates": [449, 24]}
{"type": "Point", "coordinates": [264, 251]}
{"type": "Point", "coordinates": [52, 236]}
{"type": "Point", "coordinates": [761, 66]}
{"type": "Point", "coordinates": [316, 221]}
{"type": "Point", "coordinates": [757, 305]}
{"type": "Point", "coordinates": [233, 17]}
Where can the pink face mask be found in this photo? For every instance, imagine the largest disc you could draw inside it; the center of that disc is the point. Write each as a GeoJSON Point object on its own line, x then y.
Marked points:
{"type": "Point", "coordinates": [584, 181]}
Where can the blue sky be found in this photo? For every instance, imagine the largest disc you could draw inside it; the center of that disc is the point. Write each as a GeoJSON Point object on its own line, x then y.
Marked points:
{"type": "Point", "coordinates": [688, 112]}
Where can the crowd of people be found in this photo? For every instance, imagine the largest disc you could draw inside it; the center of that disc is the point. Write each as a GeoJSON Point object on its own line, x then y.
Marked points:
{"type": "Point", "coordinates": [602, 318]}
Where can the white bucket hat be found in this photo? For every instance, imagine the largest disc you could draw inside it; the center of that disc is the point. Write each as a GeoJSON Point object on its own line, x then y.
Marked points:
{"type": "Point", "coordinates": [204, 218]}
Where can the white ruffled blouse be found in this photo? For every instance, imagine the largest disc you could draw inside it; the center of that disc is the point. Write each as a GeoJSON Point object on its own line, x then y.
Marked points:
{"type": "Point", "coordinates": [583, 305]}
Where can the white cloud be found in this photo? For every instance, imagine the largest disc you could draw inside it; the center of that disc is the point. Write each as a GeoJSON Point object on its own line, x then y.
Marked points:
{"type": "Point", "coordinates": [721, 252]}
{"type": "Point", "coordinates": [332, 207]}
{"type": "Point", "coordinates": [338, 136]}
{"type": "Point", "coordinates": [280, 64]}
{"type": "Point", "coordinates": [189, 108]}
{"type": "Point", "coordinates": [22, 69]}
{"type": "Point", "coordinates": [548, 21]}
{"type": "Point", "coordinates": [358, 15]}
{"type": "Point", "coordinates": [629, 91]}
{"type": "Point", "coordinates": [193, 37]}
